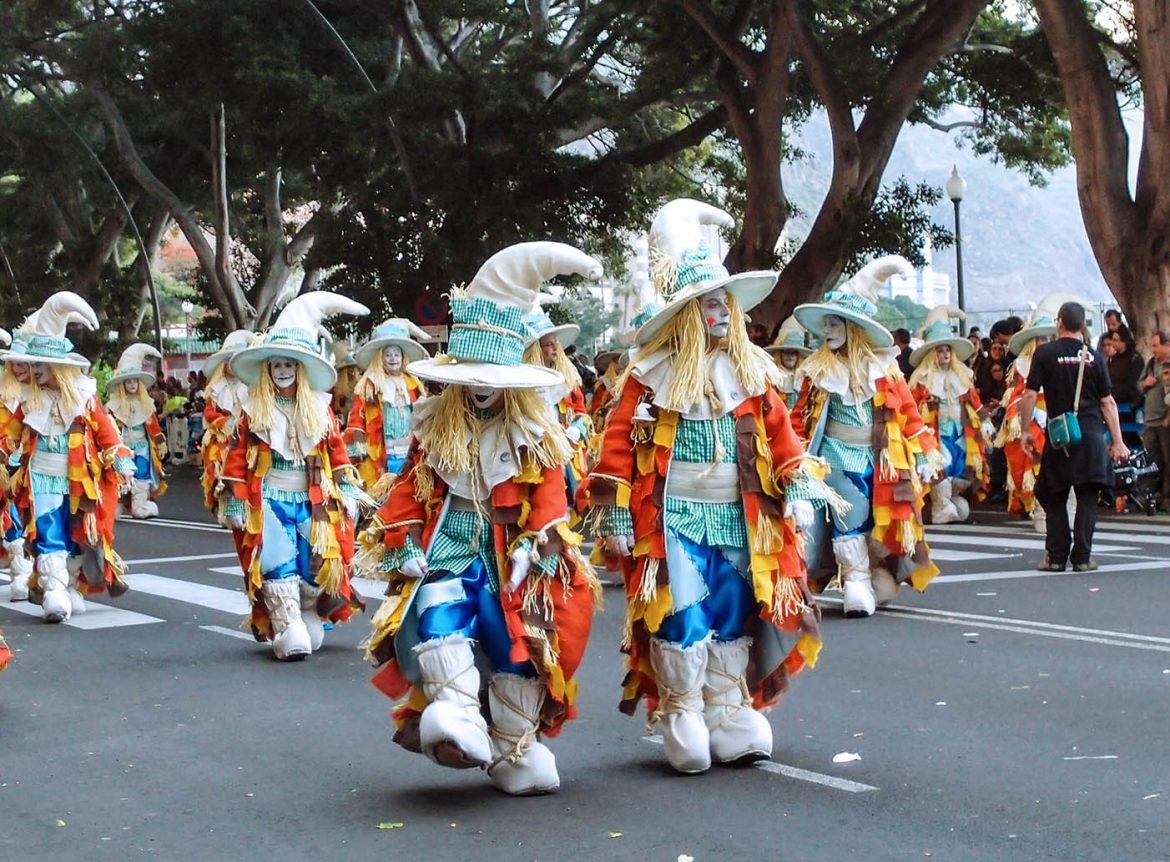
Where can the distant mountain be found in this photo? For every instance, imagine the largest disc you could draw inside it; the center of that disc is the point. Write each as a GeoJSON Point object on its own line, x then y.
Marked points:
{"type": "Point", "coordinates": [1019, 242]}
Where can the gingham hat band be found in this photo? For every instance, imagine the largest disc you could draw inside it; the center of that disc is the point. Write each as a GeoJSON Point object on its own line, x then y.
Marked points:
{"type": "Point", "coordinates": [292, 337]}
{"type": "Point", "coordinates": [851, 302]}
{"type": "Point", "coordinates": [697, 266]}
{"type": "Point", "coordinates": [390, 330]}
{"type": "Point", "coordinates": [937, 331]}
{"type": "Point", "coordinates": [485, 332]}
{"type": "Point", "coordinates": [40, 345]}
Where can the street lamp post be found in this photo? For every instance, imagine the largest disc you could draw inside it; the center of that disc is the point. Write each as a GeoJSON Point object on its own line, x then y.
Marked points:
{"type": "Point", "coordinates": [188, 307]}
{"type": "Point", "coordinates": [956, 187]}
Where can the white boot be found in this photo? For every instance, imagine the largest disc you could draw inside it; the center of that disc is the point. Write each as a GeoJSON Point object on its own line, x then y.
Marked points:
{"type": "Point", "coordinates": [73, 565]}
{"type": "Point", "coordinates": [20, 567]}
{"type": "Point", "coordinates": [53, 580]}
{"type": "Point", "coordinates": [679, 673]}
{"type": "Point", "coordinates": [852, 556]}
{"type": "Point", "coordinates": [141, 506]}
{"type": "Point", "coordinates": [521, 764]}
{"type": "Point", "coordinates": [1039, 519]}
{"type": "Point", "coordinates": [739, 734]}
{"type": "Point", "coordinates": [942, 507]}
{"type": "Point", "coordinates": [962, 508]}
{"type": "Point", "coordinates": [290, 639]}
{"type": "Point", "coordinates": [313, 622]}
{"type": "Point", "coordinates": [451, 729]}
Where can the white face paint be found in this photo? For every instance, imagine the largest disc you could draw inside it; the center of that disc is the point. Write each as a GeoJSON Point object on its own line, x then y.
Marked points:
{"type": "Point", "coordinates": [716, 312]}
{"type": "Point", "coordinates": [283, 372]}
{"type": "Point", "coordinates": [942, 355]}
{"type": "Point", "coordinates": [548, 348]}
{"type": "Point", "coordinates": [392, 359]}
{"type": "Point", "coordinates": [485, 397]}
{"type": "Point", "coordinates": [21, 371]}
{"type": "Point", "coordinates": [131, 386]}
{"type": "Point", "coordinates": [835, 333]}
{"type": "Point", "coordinates": [43, 374]}
{"type": "Point", "coordinates": [788, 359]}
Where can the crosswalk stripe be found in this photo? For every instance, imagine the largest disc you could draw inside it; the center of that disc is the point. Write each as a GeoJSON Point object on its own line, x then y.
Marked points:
{"type": "Point", "coordinates": [1021, 574]}
{"type": "Point", "coordinates": [232, 633]}
{"type": "Point", "coordinates": [175, 525]}
{"type": "Point", "coordinates": [940, 555]}
{"type": "Point", "coordinates": [190, 592]}
{"type": "Point", "coordinates": [96, 616]}
{"type": "Point", "coordinates": [1010, 542]}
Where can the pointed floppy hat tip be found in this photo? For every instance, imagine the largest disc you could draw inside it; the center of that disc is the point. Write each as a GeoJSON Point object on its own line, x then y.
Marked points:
{"type": "Point", "coordinates": [295, 335]}
{"type": "Point", "coordinates": [233, 342]}
{"type": "Point", "coordinates": [488, 333]}
{"type": "Point", "coordinates": [132, 365]}
{"type": "Point", "coordinates": [938, 332]}
{"type": "Point", "coordinates": [683, 267]}
{"type": "Point", "coordinates": [42, 336]}
{"type": "Point", "coordinates": [1042, 322]}
{"type": "Point", "coordinates": [855, 301]}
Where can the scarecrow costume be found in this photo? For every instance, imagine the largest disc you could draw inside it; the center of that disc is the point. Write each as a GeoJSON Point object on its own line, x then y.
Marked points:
{"type": "Point", "coordinates": [857, 412]}
{"type": "Point", "coordinates": [14, 377]}
{"type": "Point", "coordinates": [69, 464]}
{"type": "Point", "coordinates": [377, 434]}
{"type": "Point", "coordinates": [484, 570]}
{"type": "Point", "coordinates": [287, 484]}
{"type": "Point", "coordinates": [222, 400]}
{"type": "Point", "coordinates": [789, 349]}
{"type": "Point", "coordinates": [944, 391]}
{"type": "Point", "coordinates": [702, 479]}
{"type": "Point", "coordinates": [130, 404]}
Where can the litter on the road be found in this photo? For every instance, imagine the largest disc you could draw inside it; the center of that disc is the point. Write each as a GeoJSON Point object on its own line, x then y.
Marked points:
{"type": "Point", "coordinates": [846, 757]}
{"type": "Point", "coordinates": [396, 825]}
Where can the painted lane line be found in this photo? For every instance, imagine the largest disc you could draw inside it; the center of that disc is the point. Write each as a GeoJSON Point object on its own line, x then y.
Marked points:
{"type": "Point", "coordinates": [1094, 757]}
{"type": "Point", "coordinates": [948, 556]}
{"type": "Point", "coordinates": [977, 619]}
{"type": "Point", "coordinates": [206, 528]}
{"type": "Point", "coordinates": [190, 592]}
{"type": "Point", "coordinates": [186, 559]}
{"type": "Point", "coordinates": [1109, 533]}
{"type": "Point", "coordinates": [368, 587]}
{"type": "Point", "coordinates": [797, 773]}
{"type": "Point", "coordinates": [1011, 544]}
{"type": "Point", "coordinates": [95, 616]}
{"type": "Point", "coordinates": [231, 633]}
{"type": "Point", "coordinates": [1020, 574]}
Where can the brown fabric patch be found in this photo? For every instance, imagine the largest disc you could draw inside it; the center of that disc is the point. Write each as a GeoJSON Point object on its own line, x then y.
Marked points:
{"type": "Point", "coordinates": [507, 515]}
{"type": "Point", "coordinates": [602, 491]}
{"type": "Point", "coordinates": [904, 491]}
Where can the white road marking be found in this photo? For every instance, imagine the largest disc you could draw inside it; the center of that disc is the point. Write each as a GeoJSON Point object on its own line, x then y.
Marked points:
{"type": "Point", "coordinates": [176, 525]}
{"type": "Point", "coordinates": [190, 592]}
{"type": "Point", "coordinates": [1009, 543]}
{"type": "Point", "coordinates": [231, 633]}
{"type": "Point", "coordinates": [1094, 757]}
{"type": "Point", "coordinates": [95, 616]}
{"type": "Point", "coordinates": [798, 773]}
{"type": "Point", "coordinates": [1020, 574]}
{"type": "Point", "coordinates": [944, 555]}
{"type": "Point", "coordinates": [368, 587]}
{"type": "Point", "coordinates": [186, 559]}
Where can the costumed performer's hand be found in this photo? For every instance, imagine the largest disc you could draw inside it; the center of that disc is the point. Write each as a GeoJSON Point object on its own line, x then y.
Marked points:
{"type": "Point", "coordinates": [520, 564]}
{"type": "Point", "coordinates": [350, 505]}
{"type": "Point", "coordinates": [415, 567]}
{"type": "Point", "coordinates": [988, 430]}
{"type": "Point", "coordinates": [801, 512]}
{"type": "Point", "coordinates": [1119, 451]}
{"type": "Point", "coordinates": [234, 522]}
{"type": "Point", "coordinates": [573, 433]}
{"type": "Point", "coordinates": [621, 546]}
{"type": "Point", "coordinates": [1028, 443]}
{"type": "Point", "coordinates": [926, 472]}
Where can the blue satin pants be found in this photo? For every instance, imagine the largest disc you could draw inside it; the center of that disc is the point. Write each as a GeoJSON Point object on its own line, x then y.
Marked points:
{"type": "Point", "coordinates": [285, 551]}
{"type": "Point", "coordinates": [53, 524]}
{"type": "Point", "coordinates": [729, 599]}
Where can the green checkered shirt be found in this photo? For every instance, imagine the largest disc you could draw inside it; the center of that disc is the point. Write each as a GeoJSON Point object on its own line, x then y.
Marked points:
{"type": "Point", "coordinates": [710, 523]}
{"type": "Point", "coordinates": [854, 459]}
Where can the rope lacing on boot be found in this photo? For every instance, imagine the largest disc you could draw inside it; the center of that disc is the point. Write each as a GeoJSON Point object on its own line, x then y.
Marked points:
{"type": "Point", "coordinates": [473, 697]}
{"type": "Point", "coordinates": [734, 682]}
{"type": "Point", "coordinates": [280, 609]}
{"type": "Point", "coordinates": [520, 741]}
{"type": "Point", "coordinates": [672, 702]}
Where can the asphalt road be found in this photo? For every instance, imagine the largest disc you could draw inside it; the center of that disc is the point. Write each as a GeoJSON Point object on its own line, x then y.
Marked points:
{"type": "Point", "coordinates": [1002, 715]}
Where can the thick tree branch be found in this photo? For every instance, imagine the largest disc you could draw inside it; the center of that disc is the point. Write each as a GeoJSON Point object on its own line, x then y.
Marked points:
{"type": "Point", "coordinates": [726, 41]}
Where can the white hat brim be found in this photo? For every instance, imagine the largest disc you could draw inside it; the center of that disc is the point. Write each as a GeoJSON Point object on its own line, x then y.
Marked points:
{"type": "Point", "coordinates": [748, 288]}
{"type": "Point", "coordinates": [812, 317]}
{"type": "Point", "coordinates": [961, 347]}
{"type": "Point", "coordinates": [454, 372]}
{"type": "Point", "coordinates": [74, 360]}
{"type": "Point", "coordinates": [365, 354]}
{"type": "Point", "coordinates": [212, 362]}
{"type": "Point", "coordinates": [1026, 334]}
{"type": "Point", "coordinates": [248, 364]}
{"type": "Point", "coordinates": [780, 348]}
{"type": "Point", "coordinates": [606, 358]}
{"type": "Point", "coordinates": [141, 376]}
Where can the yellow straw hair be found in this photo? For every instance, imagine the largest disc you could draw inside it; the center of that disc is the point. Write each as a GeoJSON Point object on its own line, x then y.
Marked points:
{"type": "Point", "coordinates": [1025, 353]}
{"type": "Point", "coordinates": [313, 421]}
{"type": "Point", "coordinates": [685, 337]}
{"type": "Point", "coordinates": [71, 400]}
{"type": "Point", "coordinates": [929, 366]}
{"type": "Point", "coordinates": [374, 379]}
{"type": "Point", "coordinates": [10, 388]}
{"type": "Point", "coordinates": [450, 431]}
{"type": "Point", "coordinates": [534, 355]}
{"type": "Point", "coordinates": [120, 399]}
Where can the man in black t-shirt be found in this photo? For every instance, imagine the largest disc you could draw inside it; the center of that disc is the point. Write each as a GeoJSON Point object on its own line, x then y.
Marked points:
{"type": "Point", "coordinates": [1084, 467]}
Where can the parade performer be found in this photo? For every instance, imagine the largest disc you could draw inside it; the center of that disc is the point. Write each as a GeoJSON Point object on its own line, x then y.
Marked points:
{"type": "Point", "coordinates": [223, 398]}
{"type": "Point", "coordinates": [72, 463]}
{"type": "Point", "coordinates": [789, 349]}
{"type": "Point", "coordinates": [132, 408]}
{"type": "Point", "coordinates": [348, 373]}
{"type": "Point", "coordinates": [378, 432]}
{"type": "Point", "coordinates": [483, 568]}
{"type": "Point", "coordinates": [547, 349]}
{"type": "Point", "coordinates": [944, 391]}
{"type": "Point", "coordinates": [288, 485]}
{"type": "Point", "coordinates": [704, 482]}
{"type": "Point", "coordinates": [858, 413]}
{"type": "Point", "coordinates": [1022, 469]}
{"type": "Point", "coordinates": [14, 378]}
{"type": "Point", "coordinates": [5, 653]}
{"type": "Point", "coordinates": [609, 365]}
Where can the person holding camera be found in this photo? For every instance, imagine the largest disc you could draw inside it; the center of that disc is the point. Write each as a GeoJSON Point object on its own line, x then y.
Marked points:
{"type": "Point", "coordinates": [1076, 386]}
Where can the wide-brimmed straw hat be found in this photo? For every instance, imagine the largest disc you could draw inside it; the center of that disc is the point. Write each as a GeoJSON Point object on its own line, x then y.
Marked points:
{"type": "Point", "coordinates": [792, 336]}
{"type": "Point", "coordinates": [938, 332]}
{"type": "Point", "coordinates": [540, 324]}
{"type": "Point", "coordinates": [1042, 322]}
{"type": "Point", "coordinates": [855, 301]}
{"type": "Point", "coordinates": [683, 267]}
{"type": "Point", "coordinates": [42, 338]}
{"type": "Point", "coordinates": [233, 343]}
{"type": "Point", "coordinates": [488, 334]}
{"type": "Point", "coordinates": [295, 335]}
{"type": "Point", "coordinates": [132, 365]}
{"type": "Point", "coordinates": [395, 332]}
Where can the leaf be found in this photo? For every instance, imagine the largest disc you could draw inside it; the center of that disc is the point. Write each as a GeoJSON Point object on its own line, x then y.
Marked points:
{"type": "Point", "coordinates": [388, 825]}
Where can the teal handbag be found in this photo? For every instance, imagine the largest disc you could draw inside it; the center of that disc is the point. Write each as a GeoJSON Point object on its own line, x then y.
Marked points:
{"type": "Point", "coordinates": [1065, 430]}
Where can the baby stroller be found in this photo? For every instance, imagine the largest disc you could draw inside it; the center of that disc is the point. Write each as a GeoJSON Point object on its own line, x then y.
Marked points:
{"type": "Point", "coordinates": [1134, 481]}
